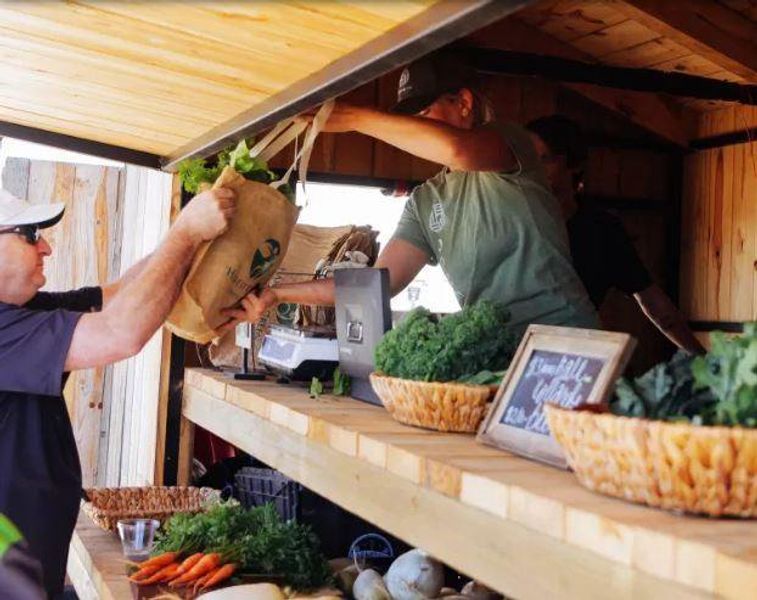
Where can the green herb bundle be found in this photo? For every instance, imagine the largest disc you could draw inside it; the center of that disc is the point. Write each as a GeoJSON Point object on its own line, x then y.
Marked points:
{"type": "Point", "coordinates": [474, 345]}
{"type": "Point", "coordinates": [719, 388]}
{"type": "Point", "coordinates": [193, 172]}
{"type": "Point", "coordinates": [257, 539]}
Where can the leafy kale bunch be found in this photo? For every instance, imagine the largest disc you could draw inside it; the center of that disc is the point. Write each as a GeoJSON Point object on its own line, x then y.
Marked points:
{"type": "Point", "coordinates": [719, 388]}
{"type": "Point", "coordinates": [257, 539]}
{"type": "Point", "coordinates": [729, 372]}
{"type": "Point", "coordinates": [193, 172]}
{"type": "Point", "coordinates": [665, 392]}
{"type": "Point", "coordinates": [467, 346]}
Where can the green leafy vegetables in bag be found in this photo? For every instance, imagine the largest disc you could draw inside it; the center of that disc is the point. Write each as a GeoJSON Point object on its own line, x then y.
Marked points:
{"type": "Point", "coordinates": [719, 388]}
{"type": "Point", "coordinates": [193, 172]}
{"type": "Point", "coordinates": [471, 346]}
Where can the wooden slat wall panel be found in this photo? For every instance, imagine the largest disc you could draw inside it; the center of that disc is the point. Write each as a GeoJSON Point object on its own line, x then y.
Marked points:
{"type": "Point", "coordinates": [132, 431]}
{"type": "Point", "coordinates": [719, 251]}
{"type": "Point", "coordinates": [726, 120]}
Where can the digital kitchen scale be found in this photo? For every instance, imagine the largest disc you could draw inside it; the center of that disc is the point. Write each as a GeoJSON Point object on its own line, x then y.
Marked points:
{"type": "Point", "coordinates": [300, 354]}
{"type": "Point", "coordinates": [363, 316]}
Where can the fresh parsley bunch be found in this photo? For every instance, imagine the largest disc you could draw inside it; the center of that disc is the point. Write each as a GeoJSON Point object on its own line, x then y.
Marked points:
{"type": "Point", "coordinates": [471, 345]}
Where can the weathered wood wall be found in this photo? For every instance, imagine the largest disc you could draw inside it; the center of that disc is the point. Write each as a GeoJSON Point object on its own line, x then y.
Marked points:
{"type": "Point", "coordinates": [634, 183]}
{"type": "Point", "coordinates": [113, 217]}
{"type": "Point", "coordinates": [719, 223]}
{"type": "Point", "coordinates": [132, 420]}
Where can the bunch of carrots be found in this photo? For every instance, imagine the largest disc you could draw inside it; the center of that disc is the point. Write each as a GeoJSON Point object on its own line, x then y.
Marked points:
{"type": "Point", "coordinates": [199, 570]}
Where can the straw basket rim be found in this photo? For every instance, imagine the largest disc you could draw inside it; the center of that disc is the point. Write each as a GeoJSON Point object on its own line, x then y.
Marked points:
{"type": "Point", "coordinates": [678, 466]}
{"type": "Point", "coordinates": [441, 406]}
{"type": "Point", "coordinates": [599, 414]}
{"type": "Point", "coordinates": [108, 505]}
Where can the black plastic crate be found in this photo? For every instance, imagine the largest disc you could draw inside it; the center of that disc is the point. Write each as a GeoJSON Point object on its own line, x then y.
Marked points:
{"type": "Point", "coordinates": [257, 486]}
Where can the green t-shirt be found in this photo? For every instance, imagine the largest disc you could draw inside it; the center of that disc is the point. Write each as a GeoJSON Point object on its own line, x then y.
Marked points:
{"type": "Point", "coordinates": [501, 236]}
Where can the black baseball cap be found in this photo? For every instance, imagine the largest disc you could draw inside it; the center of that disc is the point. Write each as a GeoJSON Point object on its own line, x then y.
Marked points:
{"type": "Point", "coordinates": [423, 81]}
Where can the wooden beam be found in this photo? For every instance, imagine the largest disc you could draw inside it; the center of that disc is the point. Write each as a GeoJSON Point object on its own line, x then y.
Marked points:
{"type": "Point", "coordinates": [707, 28]}
{"type": "Point", "coordinates": [648, 111]}
{"type": "Point", "coordinates": [567, 70]}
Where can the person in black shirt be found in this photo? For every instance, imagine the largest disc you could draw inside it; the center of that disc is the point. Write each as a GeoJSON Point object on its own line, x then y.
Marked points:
{"type": "Point", "coordinates": [603, 254]}
{"type": "Point", "coordinates": [44, 336]}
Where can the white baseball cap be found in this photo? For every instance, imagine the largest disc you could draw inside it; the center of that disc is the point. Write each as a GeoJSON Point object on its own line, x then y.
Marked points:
{"type": "Point", "coordinates": [15, 211]}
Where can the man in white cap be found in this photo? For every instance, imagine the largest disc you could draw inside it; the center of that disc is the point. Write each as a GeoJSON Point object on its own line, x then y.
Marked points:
{"type": "Point", "coordinates": [44, 336]}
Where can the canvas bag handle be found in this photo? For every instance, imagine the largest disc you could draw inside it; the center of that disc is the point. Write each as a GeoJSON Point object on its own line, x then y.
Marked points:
{"type": "Point", "coordinates": [287, 131]}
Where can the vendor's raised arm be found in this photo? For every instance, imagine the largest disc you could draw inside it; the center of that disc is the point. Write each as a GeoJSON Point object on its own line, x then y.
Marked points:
{"type": "Point", "coordinates": [440, 116]}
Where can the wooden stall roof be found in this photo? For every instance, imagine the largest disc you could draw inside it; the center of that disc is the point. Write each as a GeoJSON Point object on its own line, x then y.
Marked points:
{"type": "Point", "coordinates": [156, 76]}
{"type": "Point", "coordinates": [153, 76]}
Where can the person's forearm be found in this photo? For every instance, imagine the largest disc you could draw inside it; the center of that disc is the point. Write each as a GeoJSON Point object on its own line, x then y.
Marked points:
{"type": "Point", "coordinates": [318, 293]}
{"type": "Point", "coordinates": [144, 301]}
{"type": "Point", "coordinates": [459, 149]}
{"type": "Point", "coordinates": [111, 290]}
{"type": "Point", "coordinates": [668, 319]}
{"type": "Point", "coordinates": [682, 336]}
{"type": "Point", "coordinates": [427, 139]}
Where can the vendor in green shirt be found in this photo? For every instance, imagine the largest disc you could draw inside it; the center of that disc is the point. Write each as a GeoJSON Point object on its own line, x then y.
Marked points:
{"type": "Point", "coordinates": [488, 218]}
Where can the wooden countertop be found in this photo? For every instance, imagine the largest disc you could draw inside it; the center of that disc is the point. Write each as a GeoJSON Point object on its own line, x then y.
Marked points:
{"type": "Point", "coordinates": [528, 530]}
{"type": "Point", "coordinates": [96, 564]}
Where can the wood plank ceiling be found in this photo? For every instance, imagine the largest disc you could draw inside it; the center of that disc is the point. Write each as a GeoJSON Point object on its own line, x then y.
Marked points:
{"type": "Point", "coordinates": [687, 36]}
{"type": "Point", "coordinates": [153, 76]}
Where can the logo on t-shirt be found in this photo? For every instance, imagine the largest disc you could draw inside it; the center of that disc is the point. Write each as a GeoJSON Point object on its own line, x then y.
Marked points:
{"type": "Point", "coordinates": [437, 219]}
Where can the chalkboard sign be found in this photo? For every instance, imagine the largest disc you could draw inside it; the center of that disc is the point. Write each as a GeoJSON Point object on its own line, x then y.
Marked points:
{"type": "Point", "coordinates": [557, 365]}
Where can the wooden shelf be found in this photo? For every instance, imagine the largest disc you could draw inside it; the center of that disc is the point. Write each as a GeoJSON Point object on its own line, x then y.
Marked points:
{"type": "Point", "coordinates": [527, 530]}
{"type": "Point", "coordinates": [96, 564]}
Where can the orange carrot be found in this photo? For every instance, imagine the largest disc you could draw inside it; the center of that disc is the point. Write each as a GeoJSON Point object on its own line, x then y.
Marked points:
{"type": "Point", "coordinates": [220, 575]}
{"type": "Point", "coordinates": [164, 574]}
{"type": "Point", "coordinates": [161, 560]}
{"type": "Point", "coordinates": [203, 579]}
{"type": "Point", "coordinates": [206, 563]}
{"type": "Point", "coordinates": [189, 563]}
{"type": "Point", "coordinates": [145, 572]}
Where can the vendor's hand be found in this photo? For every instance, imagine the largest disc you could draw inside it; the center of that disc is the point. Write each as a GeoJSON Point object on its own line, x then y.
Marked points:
{"type": "Point", "coordinates": [253, 307]}
{"type": "Point", "coordinates": [343, 118]}
{"type": "Point", "coordinates": [207, 214]}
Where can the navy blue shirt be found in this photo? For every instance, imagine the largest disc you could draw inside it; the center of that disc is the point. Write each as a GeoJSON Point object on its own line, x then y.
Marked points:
{"type": "Point", "coordinates": [40, 486]}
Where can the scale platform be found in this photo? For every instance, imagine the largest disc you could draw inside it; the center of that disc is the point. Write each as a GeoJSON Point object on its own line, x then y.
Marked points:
{"type": "Point", "coordinates": [300, 354]}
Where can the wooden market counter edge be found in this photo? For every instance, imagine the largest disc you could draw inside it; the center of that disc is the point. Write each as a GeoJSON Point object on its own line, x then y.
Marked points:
{"type": "Point", "coordinates": [527, 530]}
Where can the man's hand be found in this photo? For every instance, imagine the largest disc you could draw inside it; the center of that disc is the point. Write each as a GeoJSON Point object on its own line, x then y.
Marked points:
{"type": "Point", "coordinates": [207, 215]}
{"type": "Point", "coordinates": [251, 308]}
{"type": "Point", "coordinates": [344, 117]}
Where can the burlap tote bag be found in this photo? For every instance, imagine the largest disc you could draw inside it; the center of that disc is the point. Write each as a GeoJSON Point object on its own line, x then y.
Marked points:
{"type": "Point", "coordinates": [247, 255]}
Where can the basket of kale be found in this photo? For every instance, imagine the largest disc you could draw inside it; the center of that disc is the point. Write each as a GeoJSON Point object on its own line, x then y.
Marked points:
{"type": "Point", "coordinates": [441, 373]}
{"type": "Point", "coordinates": [683, 436]}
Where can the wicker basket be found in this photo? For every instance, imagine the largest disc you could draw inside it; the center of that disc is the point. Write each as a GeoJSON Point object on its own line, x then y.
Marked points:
{"type": "Point", "coordinates": [106, 506]}
{"type": "Point", "coordinates": [676, 466]}
{"type": "Point", "coordinates": [441, 406]}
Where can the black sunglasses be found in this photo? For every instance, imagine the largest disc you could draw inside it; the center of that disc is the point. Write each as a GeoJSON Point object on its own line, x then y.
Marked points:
{"type": "Point", "coordinates": [31, 233]}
